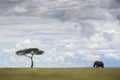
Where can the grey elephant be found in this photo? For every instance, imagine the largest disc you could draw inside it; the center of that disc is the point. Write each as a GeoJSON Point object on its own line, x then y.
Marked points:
{"type": "Point", "coordinates": [98, 64]}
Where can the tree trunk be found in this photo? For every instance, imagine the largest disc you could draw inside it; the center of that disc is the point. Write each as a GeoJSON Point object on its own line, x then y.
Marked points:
{"type": "Point", "coordinates": [32, 61]}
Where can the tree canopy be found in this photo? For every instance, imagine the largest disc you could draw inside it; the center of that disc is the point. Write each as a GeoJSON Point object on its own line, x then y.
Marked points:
{"type": "Point", "coordinates": [29, 52]}
{"type": "Point", "coordinates": [34, 51]}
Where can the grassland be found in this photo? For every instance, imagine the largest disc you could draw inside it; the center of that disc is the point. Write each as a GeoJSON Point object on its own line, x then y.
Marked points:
{"type": "Point", "coordinates": [59, 74]}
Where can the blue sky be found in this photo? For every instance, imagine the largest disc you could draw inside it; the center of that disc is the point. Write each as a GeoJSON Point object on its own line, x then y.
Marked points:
{"type": "Point", "coordinates": [73, 33]}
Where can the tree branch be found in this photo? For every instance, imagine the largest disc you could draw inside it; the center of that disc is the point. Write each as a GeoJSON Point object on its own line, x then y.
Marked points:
{"type": "Point", "coordinates": [28, 56]}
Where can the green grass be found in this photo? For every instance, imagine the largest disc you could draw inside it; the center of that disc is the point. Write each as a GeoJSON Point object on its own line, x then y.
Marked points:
{"type": "Point", "coordinates": [59, 74]}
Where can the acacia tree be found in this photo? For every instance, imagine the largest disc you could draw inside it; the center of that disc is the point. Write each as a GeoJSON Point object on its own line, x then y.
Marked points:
{"type": "Point", "coordinates": [29, 53]}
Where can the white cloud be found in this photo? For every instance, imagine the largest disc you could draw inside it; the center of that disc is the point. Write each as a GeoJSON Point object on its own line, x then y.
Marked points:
{"type": "Point", "coordinates": [63, 28]}
{"type": "Point", "coordinates": [19, 9]}
{"type": "Point", "coordinates": [113, 55]}
{"type": "Point", "coordinates": [27, 43]}
{"type": "Point", "coordinates": [91, 57]}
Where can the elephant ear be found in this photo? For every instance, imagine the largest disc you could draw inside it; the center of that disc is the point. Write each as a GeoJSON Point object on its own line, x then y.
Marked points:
{"type": "Point", "coordinates": [94, 64]}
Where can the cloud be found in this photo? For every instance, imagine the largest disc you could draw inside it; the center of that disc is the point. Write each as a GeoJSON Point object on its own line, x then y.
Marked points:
{"type": "Point", "coordinates": [87, 30]}
{"type": "Point", "coordinates": [64, 10]}
{"type": "Point", "coordinates": [108, 36]}
{"type": "Point", "coordinates": [113, 55]}
{"type": "Point", "coordinates": [114, 4]}
{"type": "Point", "coordinates": [69, 31]}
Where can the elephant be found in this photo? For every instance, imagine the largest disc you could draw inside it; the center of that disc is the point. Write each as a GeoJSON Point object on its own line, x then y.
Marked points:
{"type": "Point", "coordinates": [98, 64]}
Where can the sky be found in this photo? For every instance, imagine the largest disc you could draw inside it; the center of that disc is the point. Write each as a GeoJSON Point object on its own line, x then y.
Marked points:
{"type": "Point", "coordinates": [72, 33]}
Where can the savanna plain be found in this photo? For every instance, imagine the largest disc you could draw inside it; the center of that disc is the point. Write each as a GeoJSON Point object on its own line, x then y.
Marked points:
{"type": "Point", "coordinates": [59, 73]}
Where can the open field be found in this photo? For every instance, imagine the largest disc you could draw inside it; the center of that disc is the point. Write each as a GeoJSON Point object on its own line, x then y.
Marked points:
{"type": "Point", "coordinates": [59, 74]}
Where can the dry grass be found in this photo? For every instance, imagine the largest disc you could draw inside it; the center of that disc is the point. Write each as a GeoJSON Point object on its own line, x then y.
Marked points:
{"type": "Point", "coordinates": [59, 74]}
